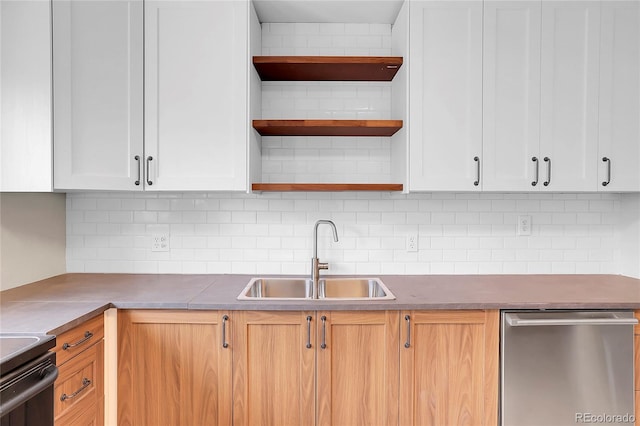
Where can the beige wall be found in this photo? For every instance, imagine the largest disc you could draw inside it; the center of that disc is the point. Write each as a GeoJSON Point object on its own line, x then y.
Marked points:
{"type": "Point", "coordinates": [32, 237]}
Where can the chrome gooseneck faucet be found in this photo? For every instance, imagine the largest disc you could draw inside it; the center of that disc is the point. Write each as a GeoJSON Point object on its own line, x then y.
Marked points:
{"type": "Point", "coordinates": [316, 265]}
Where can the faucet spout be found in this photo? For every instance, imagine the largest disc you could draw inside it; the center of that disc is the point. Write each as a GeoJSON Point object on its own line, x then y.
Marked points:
{"type": "Point", "coordinates": [315, 234]}
{"type": "Point", "coordinates": [316, 265]}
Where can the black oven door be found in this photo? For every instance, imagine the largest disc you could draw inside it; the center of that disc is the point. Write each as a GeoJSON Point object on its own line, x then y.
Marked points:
{"type": "Point", "coordinates": [26, 393]}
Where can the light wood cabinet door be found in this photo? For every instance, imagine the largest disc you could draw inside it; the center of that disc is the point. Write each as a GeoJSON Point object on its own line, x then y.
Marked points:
{"type": "Point", "coordinates": [173, 368]}
{"type": "Point", "coordinates": [196, 120]}
{"type": "Point", "coordinates": [98, 87]}
{"type": "Point", "coordinates": [274, 355]}
{"type": "Point", "coordinates": [445, 126]}
{"type": "Point", "coordinates": [357, 368]}
{"type": "Point", "coordinates": [449, 363]}
{"type": "Point", "coordinates": [511, 95]}
{"type": "Point", "coordinates": [569, 70]}
{"type": "Point", "coordinates": [619, 120]}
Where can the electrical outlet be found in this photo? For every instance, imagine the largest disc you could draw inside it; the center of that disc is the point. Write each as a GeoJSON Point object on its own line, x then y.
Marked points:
{"type": "Point", "coordinates": [524, 225]}
{"type": "Point", "coordinates": [412, 242]}
{"type": "Point", "coordinates": [160, 242]}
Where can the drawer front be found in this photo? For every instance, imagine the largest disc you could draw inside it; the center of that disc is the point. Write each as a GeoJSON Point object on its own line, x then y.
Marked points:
{"type": "Point", "coordinates": [80, 382]}
{"type": "Point", "coordinates": [80, 416]}
{"type": "Point", "coordinates": [637, 350]}
{"type": "Point", "coordinates": [74, 341]}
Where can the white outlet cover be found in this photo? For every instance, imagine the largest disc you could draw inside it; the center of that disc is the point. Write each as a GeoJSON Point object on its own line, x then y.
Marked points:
{"type": "Point", "coordinates": [524, 225]}
{"type": "Point", "coordinates": [412, 243]}
{"type": "Point", "coordinates": [160, 242]}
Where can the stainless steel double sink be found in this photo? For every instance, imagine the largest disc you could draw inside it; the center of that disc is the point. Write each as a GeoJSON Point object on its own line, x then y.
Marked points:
{"type": "Point", "coordinates": [328, 289]}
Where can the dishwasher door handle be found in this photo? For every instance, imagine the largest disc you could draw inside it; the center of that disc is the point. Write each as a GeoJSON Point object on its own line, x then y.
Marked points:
{"type": "Point", "coordinates": [514, 320]}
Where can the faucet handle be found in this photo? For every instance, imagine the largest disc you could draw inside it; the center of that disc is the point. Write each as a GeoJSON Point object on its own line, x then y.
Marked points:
{"type": "Point", "coordinates": [323, 265]}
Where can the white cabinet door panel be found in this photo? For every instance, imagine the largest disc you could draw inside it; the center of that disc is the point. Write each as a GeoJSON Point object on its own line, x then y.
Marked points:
{"type": "Point", "coordinates": [98, 61]}
{"type": "Point", "coordinates": [619, 132]}
{"type": "Point", "coordinates": [569, 95]}
{"type": "Point", "coordinates": [196, 65]}
{"type": "Point", "coordinates": [446, 95]}
{"type": "Point", "coordinates": [25, 96]}
{"type": "Point", "coordinates": [511, 95]}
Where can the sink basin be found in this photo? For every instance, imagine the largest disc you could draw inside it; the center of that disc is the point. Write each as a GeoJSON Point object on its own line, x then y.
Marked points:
{"type": "Point", "coordinates": [328, 289]}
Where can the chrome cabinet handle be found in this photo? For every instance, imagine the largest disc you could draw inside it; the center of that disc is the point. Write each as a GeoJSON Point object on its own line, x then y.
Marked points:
{"type": "Point", "coordinates": [548, 161]}
{"type": "Point", "coordinates": [407, 318]}
{"type": "Point", "coordinates": [608, 161]}
{"type": "Point", "coordinates": [308, 331]}
{"type": "Point", "coordinates": [535, 160]}
{"type": "Point", "coordinates": [137, 158]}
{"type": "Point", "coordinates": [149, 182]}
{"type": "Point", "coordinates": [225, 318]}
{"type": "Point", "coordinates": [477, 181]}
{"type": "Point", "coordinates": [87, 335]}
{"type": "Point", "coordinates": [323, 345]}
{"type": "Point", "coordinates": [85, 384]}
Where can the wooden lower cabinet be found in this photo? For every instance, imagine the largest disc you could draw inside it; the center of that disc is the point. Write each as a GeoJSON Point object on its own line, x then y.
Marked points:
{"type": "Point", "coordinates": [274, 355]}
{"type": "Point", "coordinates": [79, 389]}
{"type": "Point", "coordinates": [449, 368]}
{"type": "Point", "coordinates": [358, 368]}
{"type": "Point", "coordinates": [173, 368]}
{"type": "Point", "coordinates": [307, 368]}
{"type": "Point", "coordinates": [637, 367]}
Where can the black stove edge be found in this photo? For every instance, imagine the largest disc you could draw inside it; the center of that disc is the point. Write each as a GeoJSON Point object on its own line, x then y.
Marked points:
{"type": "Point", "coordinates": [26, 354]}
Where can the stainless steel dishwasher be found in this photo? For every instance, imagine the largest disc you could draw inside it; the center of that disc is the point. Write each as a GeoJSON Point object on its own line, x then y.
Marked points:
{"type": "Point", "coordinates": [566, 368]}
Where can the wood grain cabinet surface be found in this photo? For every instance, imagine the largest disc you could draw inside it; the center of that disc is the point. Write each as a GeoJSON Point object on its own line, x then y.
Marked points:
{"type": "Point", "coordinates": [79, 388]}
{"type": "Point", "coordinates": [173, 368]}
{"type": "Point", "coordinates": [308, 367]}
{"type": "Point", "coordinates": [637, 366]}
{"type": "Point", "coordinates": [449, 367]}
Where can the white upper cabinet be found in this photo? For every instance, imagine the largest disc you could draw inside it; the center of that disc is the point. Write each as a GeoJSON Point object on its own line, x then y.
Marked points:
{"type": "Point", "coordinates": [569, 95]}
{"type": "Point", "coordinates": [196, 120]}
{"type": "Point", "coordinates": [541, 95]}
{"type": "Point", "coordinates": [445, 59]}
{"type": "Point", "coordinates": [619, 122]}
{"type": "Point", "coordinates": [25, 96]}
{"type": "Point", "coordinates": [193, 87]}
{"type": "Point", "coordinates": [97, 63]}
{"type": "Point", "coordinates": [511, 95]}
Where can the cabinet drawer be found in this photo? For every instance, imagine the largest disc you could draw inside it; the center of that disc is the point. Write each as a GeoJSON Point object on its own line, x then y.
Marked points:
{"type": "Point", "coordinates": [81, 416]}
{"type": "Point", "coordinates": [80, 383]}
{"type": "Point", "coordinates": [74, 341]}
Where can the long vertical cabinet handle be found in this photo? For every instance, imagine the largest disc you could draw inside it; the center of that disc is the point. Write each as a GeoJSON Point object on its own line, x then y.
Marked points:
{"type": "Point", "coordinates": [308, 331]}
{"type": "Point", "coordinates": [548, 161]}
{"type": "Point", "coordinates": [323, 345]}
{"type": "Point", "coordinates": [608, 161]}
{"type": "Point", "coordinates": [407, 318]}
{"type": "Point", "coordinates": [477, 181]}
{"type": "Point", "coordinates": [137, 158]}
{"type": "Point", "coordinates": [535, 161]}
{"type": "Point", "coordinates": [225, 318]}
{"type": "Point", "coordinates": [149, 181]}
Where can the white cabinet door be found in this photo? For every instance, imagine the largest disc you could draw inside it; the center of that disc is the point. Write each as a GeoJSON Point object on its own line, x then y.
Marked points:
{"type": "Point", "coordinates": [97, 63]}
{"type": "Point", "coordinates": [25, 96]}
{"type": "Point", "coordinates": [619, 130]}
{"type": "Point", "coordinates": [569, 95]}
{"type": "Point", "coordinates": [446, 95]}
{"type": "Point", "coordinates": [511, 95]}
{"type": "Point", "coordinates": [196, 121]}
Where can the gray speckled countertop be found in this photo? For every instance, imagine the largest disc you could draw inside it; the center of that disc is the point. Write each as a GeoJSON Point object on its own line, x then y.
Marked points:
{"type": "Point", "coordinates": [59, 303]}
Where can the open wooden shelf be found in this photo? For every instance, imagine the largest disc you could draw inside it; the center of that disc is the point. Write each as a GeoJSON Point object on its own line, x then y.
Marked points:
{"type": "Point", "coordinates": [317, 187]}
{"type": "Point", "coordinates": [327, 127]}
{"type": "Point", "coordinates": [327, 68]}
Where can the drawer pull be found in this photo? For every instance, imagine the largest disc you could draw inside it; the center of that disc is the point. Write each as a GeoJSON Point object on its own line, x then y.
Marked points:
{"type": "Point", "coordinates": [308, 331]}
{"type": "Point", "coordinates": [85, 384]}
{"type": "Point", "coordinates": [87, 335]}
{"type": "Point", "coordinates": [323, 345]}
{"type": "Point", "coordinates": [225, 318]}
{"type": "Point", "coordinates": [407, 344]}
